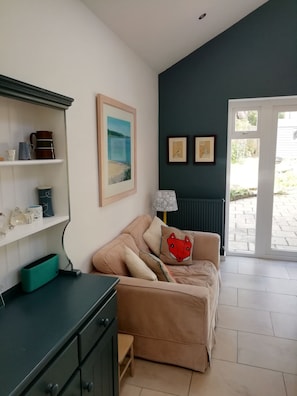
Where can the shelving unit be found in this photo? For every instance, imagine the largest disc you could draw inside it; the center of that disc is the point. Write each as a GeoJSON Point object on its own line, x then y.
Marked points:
{"type": "Point", "coordinates": [31, 162]}
{"type": "Point", "coordinates": [25, 230]}
{"type": "Point", "coordinates": [24, 109]}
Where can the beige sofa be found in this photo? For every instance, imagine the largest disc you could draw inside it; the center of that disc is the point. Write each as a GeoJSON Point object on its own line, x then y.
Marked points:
{"type": "Point", "coordinates": [172, 322]}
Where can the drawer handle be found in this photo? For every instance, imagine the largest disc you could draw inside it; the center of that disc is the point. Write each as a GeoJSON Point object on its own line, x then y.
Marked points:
{"type": "Point", "coordinates": [88, 386]}
{"type": "Point", "coordinates": [104, 322]}
{"type": "Point", "coordinates": [52, 389]}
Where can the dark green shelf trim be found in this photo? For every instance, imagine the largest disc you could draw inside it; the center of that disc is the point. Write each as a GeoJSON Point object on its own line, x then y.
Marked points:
{"type": "Point", "coordinates": [20, 90]}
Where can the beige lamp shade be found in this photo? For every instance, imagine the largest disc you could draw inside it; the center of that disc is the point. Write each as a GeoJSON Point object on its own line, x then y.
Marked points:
{"type": "Point", "coordinates": [165, 201]}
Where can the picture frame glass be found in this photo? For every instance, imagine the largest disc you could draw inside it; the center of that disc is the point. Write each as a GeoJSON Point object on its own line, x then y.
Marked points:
{"type": "Point", "coordinates": [177, 149]}
{"type": "Point", "coordinates": [116, 150]}
{"type": "Point", "coordinates": [204, 149]}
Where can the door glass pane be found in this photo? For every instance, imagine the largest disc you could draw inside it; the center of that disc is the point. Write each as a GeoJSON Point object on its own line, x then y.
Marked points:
{"type": "Point", "coordinates": [284, 222]}
{"type": "Point", "coordinates": [243, 195]}
{"type": "Point", "coordinates": [246, 121]}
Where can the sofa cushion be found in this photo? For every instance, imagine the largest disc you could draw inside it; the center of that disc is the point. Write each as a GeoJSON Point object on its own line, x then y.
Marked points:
{"type": "Point", "coordinates": [200, 273]}
{"type": "Point", "coordinates": [137, 267]}
{"type": "Point", "coordinates": [110, 259]}
{"type": "Point", "coordinates": [153, 235]}
{"type": "Point", "coordinates": [176, 246]}
{"type": "Point", "coordinates": [137, 228]}
{"type": "Point", "coordinates": [157, 266]}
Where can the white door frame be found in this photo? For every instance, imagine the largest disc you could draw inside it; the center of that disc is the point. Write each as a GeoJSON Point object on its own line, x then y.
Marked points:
{"type": "Point", "coordinates": [268, 109]}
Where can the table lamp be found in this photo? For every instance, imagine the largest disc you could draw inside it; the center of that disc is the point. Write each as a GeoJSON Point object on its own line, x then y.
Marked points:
{"type": "Point", "coordinates": [165, 201]}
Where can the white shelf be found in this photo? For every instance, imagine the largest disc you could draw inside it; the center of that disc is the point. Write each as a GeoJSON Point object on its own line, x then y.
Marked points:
{"type": "Point", "coordinates": [25, 230]}
{"type": "Point", "coordinates": [31, 162]}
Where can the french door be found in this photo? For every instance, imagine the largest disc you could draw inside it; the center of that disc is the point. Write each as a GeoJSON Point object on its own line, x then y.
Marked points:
{"type": "Point", "coordinates": [261, 218]}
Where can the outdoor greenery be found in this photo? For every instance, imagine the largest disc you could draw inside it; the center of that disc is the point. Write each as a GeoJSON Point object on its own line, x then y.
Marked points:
{"type": "Point", "coordinates": [285, 182]}
{"type": "Point", "coordinates": [245, 148]}
{"type": "Point", "coordinates": [245, 156]}
{"type": "Point", "coordinates": [246, 120]}
{"type": "Point", "coordinates": [240, 193]}
{"type": "Point", "coordinates": [242, 149]}
{"type": "Point", "coordinates": [286, 179]}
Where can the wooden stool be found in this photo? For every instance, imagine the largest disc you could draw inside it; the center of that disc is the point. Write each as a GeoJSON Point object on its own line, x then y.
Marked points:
{"type": "Point", "coordinates": [125, 354]}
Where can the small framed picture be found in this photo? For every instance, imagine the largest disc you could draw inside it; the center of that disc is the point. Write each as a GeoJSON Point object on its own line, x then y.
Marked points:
{"type": "Point", "coordinates": [177, 149]}
{"type": "Point", "coordinates": [204, 149]}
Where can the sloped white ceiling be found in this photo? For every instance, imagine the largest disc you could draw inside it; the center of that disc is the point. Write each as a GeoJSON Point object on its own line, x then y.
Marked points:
{"type": "Point", "coordinates": [163, 32]}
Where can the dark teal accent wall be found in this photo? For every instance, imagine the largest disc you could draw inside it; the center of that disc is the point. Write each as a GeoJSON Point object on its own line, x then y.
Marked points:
{"type": "Point", "coordinates": [257, 57]}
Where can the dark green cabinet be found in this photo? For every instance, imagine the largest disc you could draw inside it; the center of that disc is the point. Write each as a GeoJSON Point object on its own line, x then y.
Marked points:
{"type": "Point", "coordinates": [47, 336]}
{"type": "Point", "coordinates": [100, 369]}
{"type": "Point", "coordinates": [58, 373]}
{"type": "Point", "coordinates": [73, 388]}
{"type": "Point", "coordinates": [61, 340]}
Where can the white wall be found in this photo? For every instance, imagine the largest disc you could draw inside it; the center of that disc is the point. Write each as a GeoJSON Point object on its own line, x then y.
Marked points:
{"type": "Point", "coordinates": [63, 47]}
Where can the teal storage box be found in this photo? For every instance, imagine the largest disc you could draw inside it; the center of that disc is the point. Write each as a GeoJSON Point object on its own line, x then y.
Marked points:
{"type": "Point", "coordinates": [38, 273]}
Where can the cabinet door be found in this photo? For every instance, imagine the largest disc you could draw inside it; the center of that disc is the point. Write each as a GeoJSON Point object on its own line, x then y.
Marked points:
{"type": "Point", "coordinates": [99, 372]}
{"type": "Point", "coordinates": [73, 388]}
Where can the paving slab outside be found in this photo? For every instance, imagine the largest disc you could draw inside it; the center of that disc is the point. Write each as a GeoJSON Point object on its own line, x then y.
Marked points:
{"type": "Point", "coordinates": [242, 220]}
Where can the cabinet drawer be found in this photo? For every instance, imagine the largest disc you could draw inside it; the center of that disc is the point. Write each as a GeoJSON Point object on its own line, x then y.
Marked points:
{"type": "Point", "coordinates": [94, 329]}
{"type": "Point", "coordinates": [58, 373]}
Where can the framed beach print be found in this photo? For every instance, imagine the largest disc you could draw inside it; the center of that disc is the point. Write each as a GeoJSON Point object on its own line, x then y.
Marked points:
{"type": "Point", "coordinates": [116, 125]}
{"type": "Point", "coordinates": [177, 149]}
{"type": "Point", "coordinates": [204, 149]}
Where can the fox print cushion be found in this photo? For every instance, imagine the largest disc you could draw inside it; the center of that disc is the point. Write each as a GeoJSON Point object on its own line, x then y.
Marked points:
{"type": "Point", "coordinates": [176, 246]}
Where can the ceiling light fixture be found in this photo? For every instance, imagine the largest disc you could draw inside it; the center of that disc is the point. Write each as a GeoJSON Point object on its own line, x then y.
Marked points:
{"type": "Point", "coordinates": [202, 16]}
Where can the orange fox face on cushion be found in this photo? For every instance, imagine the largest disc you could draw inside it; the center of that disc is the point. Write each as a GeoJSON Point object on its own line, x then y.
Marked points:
{"type": "Point", "coordinates": [176, 246]}
{"type": "Point", "coordinates": [179, 249]}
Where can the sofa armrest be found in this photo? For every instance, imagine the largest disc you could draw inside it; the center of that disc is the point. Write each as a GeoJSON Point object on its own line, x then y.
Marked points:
{"type": "Point", "coordinates": [174, 312]}
{"type": "Point", "coordinates": [207, 247]}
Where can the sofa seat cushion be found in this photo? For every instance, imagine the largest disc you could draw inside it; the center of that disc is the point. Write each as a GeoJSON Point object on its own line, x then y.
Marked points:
{"type": "Point", "coordinates": [200, 273]}
{"type": "Point", "coordinates": [110, 259]}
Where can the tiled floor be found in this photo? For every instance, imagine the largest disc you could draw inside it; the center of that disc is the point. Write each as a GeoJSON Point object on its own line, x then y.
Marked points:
{"type": "Point", "coordinates": [256, 350]}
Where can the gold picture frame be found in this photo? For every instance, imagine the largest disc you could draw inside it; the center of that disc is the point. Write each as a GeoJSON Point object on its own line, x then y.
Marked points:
{"type": "Point", "coordinates": [177, 149]}
{"type": "Point", "coordinates": [116, 133]}
{"type": "Point", "coordinates": [204, 149]}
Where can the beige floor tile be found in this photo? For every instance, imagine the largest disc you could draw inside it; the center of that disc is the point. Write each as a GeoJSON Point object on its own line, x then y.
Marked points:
{"type": "Point", "coordinates": [129, 390]}
{"type": "Point", "coordinates": [241, 281]}
{"type": "Point", "coordinates": [268, 352]}
{"type": "Point", "coordinates": [292, 270]}
{"type": "Point", "coordinates": [148, 392]}
{"type": "Point", "coordinates": [285, 325]}
{"type": "Point", "coordinates": [244, 319]}
{"type": "Point", "coordinates": [239, 259]}
{"type": "Point", "coordinates": [291, 384]}
{"type": "Point", "coordinates": [231, 379]}
{"type": "Point", "coordinates": [229, 266]}
{"type": "Point", "coordinates": [228, 296]}
{"type": "Point", "coordinates": [267, 301]}
{"type": "Point", "coordinates": [283, 286]}
{"type": "Point", "coordinates": [263, 268]}
{"type": "Point", "coordinates": [226, 345]}
{"type": "Point", "coordinates": [161, 377]}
